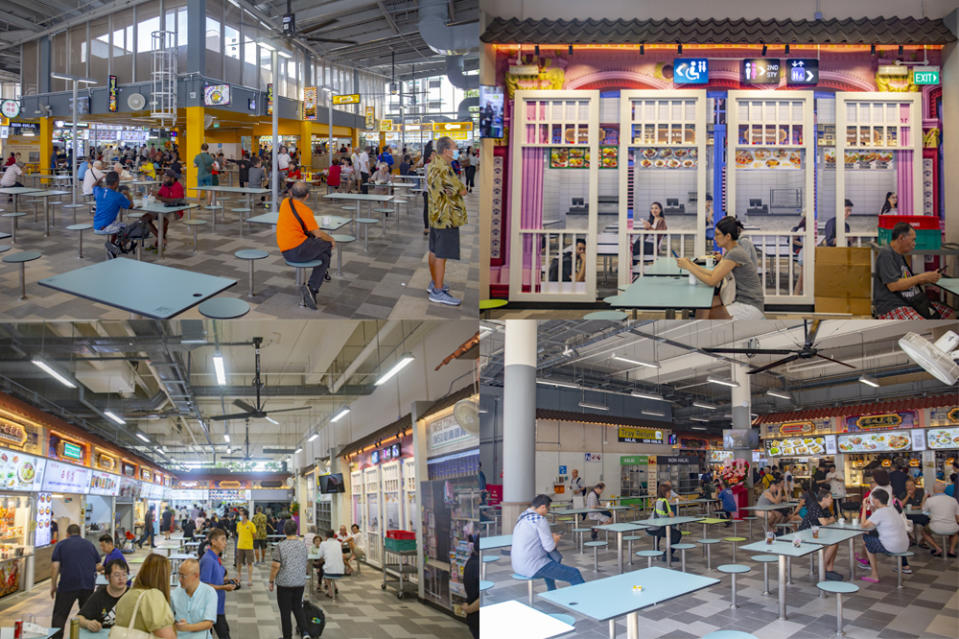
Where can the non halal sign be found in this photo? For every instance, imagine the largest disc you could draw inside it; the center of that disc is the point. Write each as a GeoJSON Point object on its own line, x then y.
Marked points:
{"type": "Point", "coordinates": [802, 72]}
{"type": "Point", "coordinates": [691, 70]}
{"type": "Point", "coordinates": [760, 71]}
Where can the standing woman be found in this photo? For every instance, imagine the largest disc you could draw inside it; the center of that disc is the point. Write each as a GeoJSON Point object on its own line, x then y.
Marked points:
{"type": "Point", "coordinates": [891, 204]}
{"type": "Point", "coordinates": [749, 299]}
{"type": "Point", "coordinates": [655, 222]}
{"type": "Point", "coordinates": [466, 161]}
{"type": "Point", "coordinates": [149, 598]}
{"type": "Point", "coordinates": [288, 574]}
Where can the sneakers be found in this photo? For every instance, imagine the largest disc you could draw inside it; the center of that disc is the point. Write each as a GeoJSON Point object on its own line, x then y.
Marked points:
{"type": "Point", "coordinates": [112, 249]}
{"type": "Point", "coordinates": [906, 570]}
{"type": "Point", "coordinates": [443, 297]}
{"type": "Point", "coordinates": [833, 576]}
{"type": "Point", "coordinates": [309, 297]}
{"type": "Point", "coordinates": [432, 289]}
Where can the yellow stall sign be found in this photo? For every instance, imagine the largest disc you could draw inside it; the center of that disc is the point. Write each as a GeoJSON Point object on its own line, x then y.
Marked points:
{"type": "Point", "coordinates": [370, 118]}
{"type": "Point", "coordinates": [386, 126]}
{"type": "Point", "coordinates": [446, 127]}
{"type": "Point", "coordinates": [352, 98]}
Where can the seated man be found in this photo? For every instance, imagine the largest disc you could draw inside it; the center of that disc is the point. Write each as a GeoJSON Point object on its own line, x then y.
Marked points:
{"type": "Point", "coordinates": [886, 534]}
{"type": "Point", "coordinates": [358, 544]}
{"type": "Point", "coordinates": [110, 552]}
{"type": "Point", "coordinates": [817, 514]}
{"type": "Point", "coordinates": [109, 201]}
{"type": "Point", "coordinates": [592, 501]}
{"type": "Point", "coordinates": [896, 291]}
{"type": "Point", "coordinates": [943, 519]}
{"type": "Point", "coordinates": [97, 613]}
{"type": "Point", "coordinates": [534, 551]}
{"type": "Point", "coordinates": [300, 239]}
{"type": "Point", "coordinates": [728, 501]}
{"type": "Point", "coordinates": [331, 554]}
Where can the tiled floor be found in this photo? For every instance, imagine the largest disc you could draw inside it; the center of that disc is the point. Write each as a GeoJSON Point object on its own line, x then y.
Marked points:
{"type": "Point", "coordinates": [389, 281]}
{"type": "Point", "coordinates": [927, 607]}
{"type": "Point", "coordinates": [361, 611]}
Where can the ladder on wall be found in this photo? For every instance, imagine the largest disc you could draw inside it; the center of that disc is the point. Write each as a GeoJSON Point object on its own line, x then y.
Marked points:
{"type": "Point", "coordinates": [163, 100]}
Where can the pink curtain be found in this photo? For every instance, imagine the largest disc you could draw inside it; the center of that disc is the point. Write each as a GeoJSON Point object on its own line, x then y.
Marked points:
{"type": "Point", "coordinates": [904, 160]}
{"type": "Point", "coordinates": [531, 214]}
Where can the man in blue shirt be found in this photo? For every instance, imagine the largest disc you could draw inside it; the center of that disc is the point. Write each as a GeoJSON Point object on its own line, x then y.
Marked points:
{"type": "Point", "coordinates": [534, 551]}
{"type": "Point", "coordinates": [109, 551]}
{"type": "Point", "coordinates": [109, 201]}
{"type": "Point", "coordinates": [212, 573]}
{"type": "Point", "coordinates": [194, 603]}
{"type": "Point", "coordinates": [75, 562]}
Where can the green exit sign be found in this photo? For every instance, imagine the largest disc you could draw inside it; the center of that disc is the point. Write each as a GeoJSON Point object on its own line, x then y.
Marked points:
{"type": "Point", "coordinates": [72, 451]}
{"type": "Point", "coordinates": [925, 75]}
{"type": "Point", "coordinates": [216, 125]}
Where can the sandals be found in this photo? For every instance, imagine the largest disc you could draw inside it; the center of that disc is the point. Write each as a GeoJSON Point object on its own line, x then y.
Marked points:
{"type": "Point", "coordinates": [869, 579]}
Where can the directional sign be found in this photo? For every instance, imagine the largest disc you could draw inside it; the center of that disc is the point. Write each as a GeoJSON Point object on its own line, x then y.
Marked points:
{"type": "Point", "coordinates": [352, 98]}
{"type": "Point", "coordinates": [691, 70]}
{"type": "Point", "coordinates": [760, 71]}
{"type": "Point", "coordinates": [452, 126]}
{"type": "Point", "coordinates": [925, 75]}
{"type": "Point", "coordinates": [802, 72]}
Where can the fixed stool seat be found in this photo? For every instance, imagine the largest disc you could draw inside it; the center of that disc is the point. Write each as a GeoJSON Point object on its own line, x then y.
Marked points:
{"type": "Point", "coordinates": [683, 548]}
{"type": "Point", "coordinates": [341, 239]}
{"type": "Point", "coordinates": [365, 222]}
{"type": "Point", "coordinates": [529, 586]}
{"type": "Point", "coordinates": [765, 560]}
{"type": "Point", "coordinates": [899, 556]}
{"type": "Point", "coordinates": [251, 255]}
{"type": "Point", "coordinates": [13, 215]}
{"type": "Point", "coordinates": [733, 569]}
{"type": "Point", "coordinates": [22, 258]}
{"type": "Point", "coordinates": [708, 544]}
{"type": "Point", "coordinates": [83, 226]}
{"type": "Point", "coordinates": [580, 532]}
{"type": "Point", "coordinates": [195, 226]}
{"type": "Point", "coordinates": [614, 316]}
{"type": "Point", "coordinates": [596, 545]}
{"type": "Point", "coordinates": [649, 555]}
{"type": "Point", "coordinates": [734, 541]}
{"type": "Point", "coordinates": [486, 560]}
{"type": "Point", "coordinates": [301, 271]}
{"type": "Point", "coordinates": [629, 539]}
{"type": "Point", "coordinates": [224, 308]}
{"type": "Point", "coordinates": [838, 588]}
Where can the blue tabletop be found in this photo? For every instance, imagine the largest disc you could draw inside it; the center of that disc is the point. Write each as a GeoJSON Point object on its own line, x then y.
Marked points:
{"type": "Point", "coordinates": [45, 193]}
{"type": "Point", "coordinates": [18, 190]}
{"type": "Point", "coordinates": [664, 293]}
{"type": "Point", "coordinates": [849, 526]}
{"type": "Point", "coordinates": [325, 222]}
{"type": "Point", "coordinates": [620, 528]}
{"type": "Point", "coordinates": [779, 506]}
{"type": "Point", "coordinates": [827, 536]}
{"type": "Point", "coordinates": [950, 284]}
{"type": "Point", "coordinates": [575, 511]}
{"type": "Point", "coordinates": [656, 522]}
{"type": "Point", "coordinates": [370, 197]}
{"type": "Point", "coordinates": [499, 541]}
{"type": "Point", "coordinates": [155, 291]}
{"type": "Point", "coordinates": [233, 189]}
{"type": "Point", "coordinates": [614, 596]}
{"type": "Point", "coordinates": [161, 208]}
{"type": "Point", "coordinates": [485, 585]}
{"type": "Point", "coordinates": [663, 266]}
{"type": "Point", "coordinates": [781, 548]}
{"type": "Point", "coordinates": [86, 634]}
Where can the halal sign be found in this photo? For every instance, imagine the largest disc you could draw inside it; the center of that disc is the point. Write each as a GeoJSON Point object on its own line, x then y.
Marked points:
{"type": "Point", "coordinates": [760, 71]}
{"type": "Point", "coordinates": [802, 72]}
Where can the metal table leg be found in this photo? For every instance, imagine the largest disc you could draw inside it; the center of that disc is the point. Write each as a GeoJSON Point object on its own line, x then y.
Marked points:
{"type": "Point", "coordinates": [782, 587]}
{"type": "Point", "coordinates": [619, 551]}
{"type": "Point", "coordinates": [822, 568]}
{"type": "Point", "coordinates": [669, 553]}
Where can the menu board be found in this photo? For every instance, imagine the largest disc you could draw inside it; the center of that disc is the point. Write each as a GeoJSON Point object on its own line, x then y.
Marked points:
{"type": "Point", "coordinates": [193, 495]}
{"type": "Point", "coordinates": [151, 491]}
{"type": "Point", "coordinates": [106, 484]}
{"type": "Point", "coordinates": [19, 471]}
{"type": "Point", "coordinates": [44, 517]}
{"type": "Point", "coordinates": [830, 444]}
{"type": "Point", "coordinates": [890, 440]}
{"type": "Point", "coordinates": [129, 488]}
{"type": "Point", "coordinates": [667, 158]}
{"type": "Point", "coordinates": [219, 494]}
{"type": "Point", "coordinates": [768, 159]}
{"type": "Point", "coordinates": [942, 438]}
{"type": "Point", "coordinates": [569, 158]}
{"type": "Point", "coordinates": [796, 446]}
{"type": "Point", "coordinates": [66, 478]}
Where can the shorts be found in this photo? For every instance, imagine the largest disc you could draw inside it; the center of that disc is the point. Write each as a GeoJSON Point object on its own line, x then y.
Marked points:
{"type": "Point", "coordinates": [244, 556]}
{"type": "Point", "coordinates": [909, 313]}
{"type": "Point", "coordinates": [741, 311]}
{"type": "Point", "coordinates": [259, 543]}
{"type": "Point", "coordinates": [205, 180]}
{"type": "Point", "coordinates": [939, 529]}
{"type": "Point", "coordinates": [445, 243]}
{"type": "Point", "coordinates": [111, 229]}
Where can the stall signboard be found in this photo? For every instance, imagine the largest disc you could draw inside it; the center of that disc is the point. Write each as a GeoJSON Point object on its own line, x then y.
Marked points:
{"type": "Point", "coordinates": [632, 460]}
{"type": "Point", "coordinates": [146, 475]}
{"type": "Point", "coordinates": [105, 461]}
{"type": "Point", "coordinates": [796, 446]}
{"type": "Point", "coordinates": [217, 495]}
{"type": "Point", "coordinates": [309, 103]}
{"type": "Point", "coordinates": [151, 491]}
{"type": "Point", "coordinates": [720, 456]}
{"type": "Point", "coordinates": [231, 484]}
{"type": "Point", "coordinates": [216, 95]}
{"type": "Point", "coordinates": [60, 447]}
{"type": "Point", "coordinates": [674, 460]}
{"type": "Point", "coordinates": [880, 421]}
{"type": "Point", "coordinates": [19, 471]}
{"type": "Point", "coordinates": [370, 121]}
{"type": "Point", "coordinates": [887, 441]}
{"type": "Point", "coordinates": [15, 434]}
{"type": "Point", "coordinates": [349, 98]}
{"type": "Point", "coordinates": [802, 72]}
{"type": "Point", "coordinates": [129, 488]}
{"type": "Point", "coordinates": [943, 416]}
{"type": "Point", "coordinates": [942, 438]}
{"type": "Point", "coordinates": [72, 451]}
{"type": "Point", "coordinates": [106, 484]}
{"type": "Point", "coordinates": [195, 496]}
{"type": "Point", "coordinates": [386, 126]}
{"type": "Point", "coordinates": [640, 435]}
{"type": "Point", "coordinates": [797, 428]}
{"type": "Point", "coordinates": [129, 470]}
{"type": "Point", "coordinates": [112, 94]}
{"type": "Point", "coordinates": [446, 435]}
{"type": "Point", "coordinates": [760, 71]}
{"type": "Point", "coordinates": [446, 127]}
{"type": "Point", "coordinates": [66, 478]}
{"type": "Point", "coordinates": [691, 70]}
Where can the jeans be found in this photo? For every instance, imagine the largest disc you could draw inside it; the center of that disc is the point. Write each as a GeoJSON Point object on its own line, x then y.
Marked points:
{"type": "Point", "coordinates": [291, 600]}
{"type": "Point", "coordinates": [221, 627]}
{"type": "Point", "coordinates": [470, 175]}
{"type": "Point", "coordinates": [364, 178]}
{"type": "Point", "coordinates": [62, 605]}
{"type": "Point", "coordinates": [147, 534]}
{"type": "Point", "coordinates": [555, 570]}
{"type": "Point", "coordinates": [312, 248]}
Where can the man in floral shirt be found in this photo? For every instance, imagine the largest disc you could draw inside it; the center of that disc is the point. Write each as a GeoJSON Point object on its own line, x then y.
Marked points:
{"type": "Point", "coordinates": [447, 212]}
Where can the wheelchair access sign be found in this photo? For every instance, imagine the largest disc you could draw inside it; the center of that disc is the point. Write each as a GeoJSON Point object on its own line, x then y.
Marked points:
{"type": "Point", "coordinates": [691, 70]}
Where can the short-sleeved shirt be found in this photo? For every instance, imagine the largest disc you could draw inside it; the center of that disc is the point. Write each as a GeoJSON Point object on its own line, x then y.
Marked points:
{"type": "Point", "coordinates": [212, 572]}
{"type": "Point", "coordinates": [749, 289]}
{"type": "Point", "coordinates": [11, 175]}
{"type": "Point", "coordinates": [259, 520]}
{"type": "Point", "coordinates": [78, 563]}
{"type": "Point", "coordinates": [813, 513]}
{"type": "Point", "coordinates": [891, 529]}
{"type": "Point", "coordinates": [446, 206]}
{"type": "Point", "coordinates": [728, 500]}
{"type": "Point", "coordinates": [291, 554]}
{"type": "Point", "coordinates": [333, 175]}
{"type": "Point", "coordinates": [174, 191]}
{"type": "Point", "coordinates": [532, 543]}
{"type": "Point", "coordinates": [200, 607]}
{"type": "Point", "coordinates": [245, 532]}
{"type": "Point", "coordinates": [256, 177]}
{"type": "Point", "coordinates": [100, 607]}
{"type": "Point", "coordinates": [154, 612]}
{"type": "Point", "coordinates": [289, 232]}
{"type": "Point", "coordinates": [890, 267]}
{"type": "Point", "coordinates": [942, 513]}
{"type": "Point", "coordinates": [109, 203]}
{"type": "Point", "coordinates": [204, 164]}
{"type": "Point", "coordinates": [113, 554]}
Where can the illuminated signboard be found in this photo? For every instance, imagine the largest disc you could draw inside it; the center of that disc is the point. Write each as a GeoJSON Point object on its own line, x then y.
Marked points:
{"type": "Point", "coordinates": [760, 71]}
{"type": "Point", "coordinates": [443, 127]}
{"type": "Point", "coordinates": [640, 435]}
{"type": "Point", "coordinates": [352, 98]}
{"type": "Point", "coordinates": [691, 70]}
{"type": "Point", "coordinates": [925, 75]}
{"type": "Point", "coordinates": [72, 451]}
{"type": "Point", "coordinates": [802, 72]}
{"type": "Point", "coordinates": [112, 94]}
{"type": "Point", "coordinates": [386, 126]}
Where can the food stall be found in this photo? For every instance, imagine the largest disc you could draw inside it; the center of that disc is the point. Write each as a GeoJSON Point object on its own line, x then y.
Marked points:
{"type": "Point", "coordinates": [68, 485]}
{"type": "Point", "coordinates": [100, 506]}
{"type": "Point", "coordinates": [21, 475]}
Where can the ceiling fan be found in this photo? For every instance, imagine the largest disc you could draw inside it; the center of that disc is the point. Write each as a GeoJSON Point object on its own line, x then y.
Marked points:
{"type": "Point", "coordinates": [257, 411]}
{"type": "Point", "coordinates": [808, 350]}
{"type": "Point", "coordinates": [289, 28]}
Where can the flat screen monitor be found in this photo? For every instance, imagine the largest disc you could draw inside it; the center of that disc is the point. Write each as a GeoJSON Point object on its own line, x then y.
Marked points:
{"type": "Point", "coordinates": [332, 483]}
{"type": "Point", "coordinates": [216, 94]}
{"type": "Point", "coordinates": [491, 111]}
{"type": "Point", "coordinates": [755, 204]}
{"type": "Point", "coordinates": [672, 202]}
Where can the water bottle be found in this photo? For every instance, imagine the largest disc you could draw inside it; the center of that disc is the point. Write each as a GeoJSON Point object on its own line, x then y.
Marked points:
{"type": "Point", "coordinates": [74, 628]}
{"type": "Point", "coordinates": [692, 279]}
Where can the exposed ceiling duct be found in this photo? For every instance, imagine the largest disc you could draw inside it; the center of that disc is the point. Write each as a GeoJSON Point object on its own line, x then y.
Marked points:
{"type": "Point", "coordinates": [439, 36]}
{"type": "Point", "coordinates": [454, 72]}
{"type": "Point", "coordinates": [463, 110]}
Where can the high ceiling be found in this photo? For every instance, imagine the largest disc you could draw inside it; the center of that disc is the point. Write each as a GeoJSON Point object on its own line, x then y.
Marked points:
{"type": "Point", "coordinates": [581, 353]}
{"type": "Point", "coordinates": [160, 378]}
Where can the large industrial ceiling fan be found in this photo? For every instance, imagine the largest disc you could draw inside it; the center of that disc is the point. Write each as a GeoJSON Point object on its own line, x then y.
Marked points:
{"type": "Point", "coordinates": [807, 351]}
{"type": "Point", "coordinates": [257, 411]}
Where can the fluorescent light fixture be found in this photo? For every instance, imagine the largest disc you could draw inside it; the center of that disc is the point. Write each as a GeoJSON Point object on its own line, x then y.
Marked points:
{"type": "Point", "coordinates": [220, 370]}
{"type": "Point", "coordinates": [340, 415]}
{"type": "Point", "coordinates": [634, 362]}
{"type": "Point", "coordinates": [652, 396]}
{"type": "Point", "coordinates": [698, 419]}
{"type": "Point", "coordinates": [143, 437]}
{"type": "Point", "coordinates": [226, 437]}
{"type": "Point", "coordinates": [553, 382]}
{"type": "Point", "coordinates": [699, 428]}
{"type": "Point", "coordinates": [271, 420]}
{"type": "Point", "coordinates": [705, 405]}
{"type": "Point", "coordinates": [773, 393]}
{"type": "Point", "coordinates": [722, 382]}
{"type": "Point", "coordinates": [313, 436]}
{"type": "Point", "coordinates": [264, 45]}
{"type": "Point", "coordinates": [593, 406]}
{"type": "Point", "coordinates": [42, 365]}
{"type": "Point", "coordinates": [400, 364]}
{"type": "Point", "coordinates": [654, 413]}
{"type": "Point", "coordinates": [869, 381]}
{"type": "Point", "coordinates": [297, 451]}
{"type": "Point", "coordinates": [113, 416]}
{"type": "Point", "coordinates": [284, 54]}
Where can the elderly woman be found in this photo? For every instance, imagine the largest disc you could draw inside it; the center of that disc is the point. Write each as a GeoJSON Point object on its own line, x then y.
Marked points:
{"type": "Point", "coordinates": [447, 213]}
{"type": "Point", "coordinates": [381, 176]}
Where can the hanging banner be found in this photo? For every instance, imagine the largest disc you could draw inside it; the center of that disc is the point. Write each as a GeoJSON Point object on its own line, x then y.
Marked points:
{"type": "Point", "coordinates": [370, 118]}
{"type": "Point", "coordinates": [445, 127]}
{"type": "Point", "coordinates": [386, 126]}
{"type": "Point", "coordinates": [112, 99]}
{"type": "Point", "coordinates": [352, 98]}
{"type": "Point", "coordinates": [309, 103]}
{"type": "Point", "coordinates": [640, 435]}
{"type": "Point", "coordinates": [269, 99]}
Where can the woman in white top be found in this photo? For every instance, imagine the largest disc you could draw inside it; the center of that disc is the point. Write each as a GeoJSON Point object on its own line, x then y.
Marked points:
{"type": "Point", "coordinates": [282, 159]}
{"type": "Point", "coordinates": [90, 178]}
{"type": "Point", "coordinates": [381, 176]}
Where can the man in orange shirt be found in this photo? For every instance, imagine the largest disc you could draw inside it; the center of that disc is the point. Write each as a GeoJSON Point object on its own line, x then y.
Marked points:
{"type": "Point", "coordinates": [300, 239]}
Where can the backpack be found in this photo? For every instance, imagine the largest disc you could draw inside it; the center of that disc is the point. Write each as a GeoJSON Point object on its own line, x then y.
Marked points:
{"type": "Point", "coordinates": [126, 241]}
{"type": "Point", "coordinates": [315, 619]}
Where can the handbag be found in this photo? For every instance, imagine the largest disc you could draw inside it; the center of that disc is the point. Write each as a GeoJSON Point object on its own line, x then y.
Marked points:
{"type": "Point", "coordinates": [727, 289]}
{"type": "Point", "coordinates": [118, 632]}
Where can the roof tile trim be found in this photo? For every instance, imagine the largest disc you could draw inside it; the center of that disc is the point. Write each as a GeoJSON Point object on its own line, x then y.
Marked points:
{"type": "Point", "coordinates": [863, 409]}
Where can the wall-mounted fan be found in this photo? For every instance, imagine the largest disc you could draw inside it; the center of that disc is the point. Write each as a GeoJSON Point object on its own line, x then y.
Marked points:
{"type": "Point", "coordinates": [808, 350]}
{"type": "Point", "coordinates": [136, 101]}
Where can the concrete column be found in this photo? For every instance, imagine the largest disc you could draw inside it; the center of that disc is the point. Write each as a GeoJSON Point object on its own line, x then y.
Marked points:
{"type": "Point", "coordinates": [191, 147]}
{"type": "Point", "coordinates": [196, 33]}
{"type": "Point", "coordinates": [43, 84]}
{"type": "Point", "coordinates": [46, 143]}
{"type": "Point", "coordinates": [741, 411]}
{"type": "Point", "coordinates": [306, 146]}
{"type": "Point", "coordinates": [519, 419]}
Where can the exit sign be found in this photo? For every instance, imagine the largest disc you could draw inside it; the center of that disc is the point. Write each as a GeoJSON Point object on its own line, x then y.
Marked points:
{"type": "Point", "coordinates": [925, 75]}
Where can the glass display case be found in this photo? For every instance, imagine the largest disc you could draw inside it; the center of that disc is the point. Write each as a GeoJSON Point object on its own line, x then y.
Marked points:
{"type": "Point", "coordinates": [16, 519]}
{"type": "Point", "coordinates": [464, 520]}
{"type": "Point", "coordinates": [374, 532]}
{"type": "Point", "coordinates": [409, 493]}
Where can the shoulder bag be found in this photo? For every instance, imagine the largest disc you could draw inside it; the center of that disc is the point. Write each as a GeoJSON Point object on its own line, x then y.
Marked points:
{"type": "Point", "coordinates": [919, 302]}
{"type": "Point", "coordinates": [727, 289]}
{"type": "Point", "coordinates": [118, 632]}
